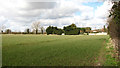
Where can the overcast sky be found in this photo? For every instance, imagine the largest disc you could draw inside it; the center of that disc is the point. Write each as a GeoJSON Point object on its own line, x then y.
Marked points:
{"type": "Point", "coordinates": [18, 15]}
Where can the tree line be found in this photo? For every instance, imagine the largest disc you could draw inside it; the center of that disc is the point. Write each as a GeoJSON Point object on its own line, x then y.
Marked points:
{"type": "Point", "coordinates": [67, 30]}
{"type": "Point", "coordinates": [36, 27]}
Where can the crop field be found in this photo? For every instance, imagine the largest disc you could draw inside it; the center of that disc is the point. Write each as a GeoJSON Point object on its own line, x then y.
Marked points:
{"type": "Point", "coordinates": [51, 50]}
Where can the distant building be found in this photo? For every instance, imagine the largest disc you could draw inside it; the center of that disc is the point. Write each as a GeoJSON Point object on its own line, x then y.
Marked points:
{"type": "Point", "coordinates": [98, 31]}
{"type": "Point", "coordinates": [94, 31]}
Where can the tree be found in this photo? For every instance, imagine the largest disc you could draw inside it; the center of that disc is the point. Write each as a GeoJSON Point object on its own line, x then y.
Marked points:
{"type": "Point", "coordinates": [8, 31]}
{"type": "Point", "coordinates": [54, 30]}
{"type": "Point", "coordinates": [72, 25]}
{"type": "Point", "coordinates": [71, 30]}
{"type": "Point", "coordinates": [58, 31]}
{"type": "Point", "coordinates": [42, 28]}
{"type": "Point", "coordinates": [28, 31]}
{"type": "Point", "coordinates": [2, 27]}
{"type": "Point", "coordinates": [36, 26]}
{"type": "Point", "coordinates": [82, 30]}
{"type": "Point", "coordinates": [87, 29]}
{"type": "Point", "coordinates": [104, 28]}
{"type": "Point", "coordinates": [114, 25]}
{"type": "Point", "coordinates": [49, 30]}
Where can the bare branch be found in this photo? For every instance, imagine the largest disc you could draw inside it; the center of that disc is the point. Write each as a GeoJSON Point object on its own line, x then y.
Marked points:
{"type": "Point", "coordinates": [36, 26]}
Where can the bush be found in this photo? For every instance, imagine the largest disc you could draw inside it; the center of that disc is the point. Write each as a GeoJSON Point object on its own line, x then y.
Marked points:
{"type": "Point", "coordinates": [71, 30]}
{"type": "Point", "coordinates": [58, 31]}
{"type": "Point", "coordinates": [54, 30]}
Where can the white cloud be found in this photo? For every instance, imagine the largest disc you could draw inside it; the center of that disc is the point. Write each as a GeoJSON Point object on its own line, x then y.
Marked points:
{"type": "Point", "coordinates": [103, 10]}
{"type": "Point", "coordinates": [19, 14]}
{"type": "Point", "coordinates": [2, 19]}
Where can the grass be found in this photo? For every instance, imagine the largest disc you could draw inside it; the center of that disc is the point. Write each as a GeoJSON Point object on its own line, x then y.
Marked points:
{"type": "Point", "coordinates": [111, 57]}
{"type": "Point", "coordinates": [52, 50]}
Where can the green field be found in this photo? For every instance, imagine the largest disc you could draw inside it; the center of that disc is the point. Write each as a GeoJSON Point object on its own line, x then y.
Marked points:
{"type": "Point", "coordinates": [51, 50]}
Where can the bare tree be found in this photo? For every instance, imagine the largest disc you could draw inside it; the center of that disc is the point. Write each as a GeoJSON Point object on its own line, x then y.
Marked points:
{"type": "Point", "coordinates": [2, 27]}
{"type": "Point", "coordinates": [27, 31]}
{"type": "Point", "coordinates": [8, 31]}
{"type": "Point", "coordinates": [42, 29]}
{"type": "Point", "coordinates": [36, 26]}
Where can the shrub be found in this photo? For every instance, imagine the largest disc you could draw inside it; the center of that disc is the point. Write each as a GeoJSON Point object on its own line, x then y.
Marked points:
{"type": "Point", "coordinates": [71, 30]}
{"type": "Point", "coordinates": [58, 31]}
{"type": "Point", "coordinates": [54, 30]}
